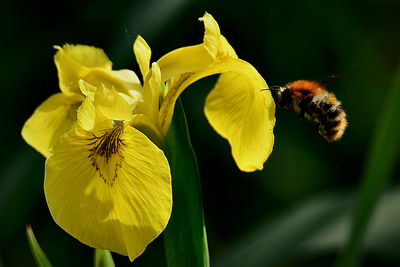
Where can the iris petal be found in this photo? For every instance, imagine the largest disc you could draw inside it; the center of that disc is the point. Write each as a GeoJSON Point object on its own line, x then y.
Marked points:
{"type": "Point", "coordinates": [87, 89]}
{"type": "Point", "coordinates": [123, 81]}
{"type": "Point", "coordinates": [112, 105]}
{"type": "Point", "coordinates": [109, 189]}
{"type": "Point", "coordinates": [185, 59]}
{"type": "Point", "coordinates": [151, 94]}
{"type": "Point", "coordinates": [76, 62]}
{"type": "Point", "coordinates": [244, 115]}
{"type": "Point", "coordinates": [211, 35]}
{"type": "Point", "coordinates": [236, 108]}
{"type": "Point", "coordinates": [73, 62]}
{"type": "Point", "coordinates": [193, 58]}
{"type": "Point", "coordinates": [86, 114]}
{"type": "Point", "coordinates": [53, 118]}
{"type": "Point", "coordinates": [142, 53]}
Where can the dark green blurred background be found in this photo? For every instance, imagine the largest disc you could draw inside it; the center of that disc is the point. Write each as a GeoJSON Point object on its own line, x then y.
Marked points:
{"type": "Point", "coordinates": [296, 212]}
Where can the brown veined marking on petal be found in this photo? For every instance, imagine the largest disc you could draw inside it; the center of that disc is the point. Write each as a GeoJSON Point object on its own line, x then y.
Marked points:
{"type": "Point", "coordinates": [104, 148]}
{"type": "Point", "coordinates": [171, 96]}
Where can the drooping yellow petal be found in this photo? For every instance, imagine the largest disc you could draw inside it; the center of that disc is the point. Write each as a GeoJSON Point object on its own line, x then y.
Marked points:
{"type": "Point", "coordinates": [53, 118]}
{"type": "Point", "coordinates": [142, 53]}
{"type": "Point", "coordinates": [244, 115]}
{"type": "Point", "coordinates": [112, 105]}
{"type": "Point", "coordinates": [109, 189]}
{"type": "Point", "coordinates": [238, 66]}
{"type": "Point", "coordinates": [236, 108]}
{"type": "Point", "coordinates": [73, 62]}
{"type": "Point", "coordinates": [144, 124]}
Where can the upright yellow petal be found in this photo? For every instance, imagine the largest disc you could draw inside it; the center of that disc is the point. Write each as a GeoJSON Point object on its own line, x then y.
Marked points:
{"type": "Point", "coordinates": [86, 114]}
{"type": "Point", "coordinates": [73, 62]}
{"type": "Point", "coordinates": [87, 56]}
{"type": "Point", "coordinates": [194, 58]}
{"type": "Point", "coordinates": [244, 115]}
{"type": "Point", "coordinates": [112, 105]}
{"type": "Point", "coordinates": [225, 49]}
{"type": "Point", "coordinates": [109, 189]}
{"type": "Point", "coordinates": [151, 94]}
{"type": "Point", "coordinates": [182, 60]}
{"type": "Point", "coordinates": [87, 89]}
{"type": "Point", "coordinates": [142, 53]}
{"type": "Point", "coordinates": [53, 118]}
{"type": "Point", "coordinates": [212, 34]}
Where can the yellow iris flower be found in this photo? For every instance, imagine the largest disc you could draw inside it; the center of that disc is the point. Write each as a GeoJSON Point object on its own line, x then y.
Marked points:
{"type": "Point", "coordinates": [107, 182]}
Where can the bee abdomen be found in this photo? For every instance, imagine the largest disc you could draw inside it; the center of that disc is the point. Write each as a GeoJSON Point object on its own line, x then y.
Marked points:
{"type": "Point", "coordinates": [329, 117]}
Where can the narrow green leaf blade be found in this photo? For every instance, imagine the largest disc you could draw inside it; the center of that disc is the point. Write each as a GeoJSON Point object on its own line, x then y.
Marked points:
{"type": "Point", "coordinates": [103, 258]}
{"type": "Point", "coordinates": [379, 165]}
{"type": "Point", "coordinates": [185, 236]}
{"type": "Point", "coordinates": [38, 254]}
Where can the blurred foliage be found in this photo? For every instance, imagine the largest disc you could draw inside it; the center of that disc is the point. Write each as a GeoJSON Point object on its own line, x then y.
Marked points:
{"type": "Point", "coordinates": [285, 41]}
{"type": "Point", "coordinates": [378, 168]}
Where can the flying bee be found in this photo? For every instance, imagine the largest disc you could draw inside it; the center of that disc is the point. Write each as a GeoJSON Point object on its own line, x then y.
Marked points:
{"type": "Point", "coordinates": [312, 101]}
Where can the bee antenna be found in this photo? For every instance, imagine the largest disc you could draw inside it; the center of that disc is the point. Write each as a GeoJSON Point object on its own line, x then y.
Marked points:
{"type": "Point", "coordinates": [272, 88]}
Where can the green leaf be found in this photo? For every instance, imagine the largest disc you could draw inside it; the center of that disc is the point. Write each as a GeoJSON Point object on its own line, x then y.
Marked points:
{"type": "Point", "coordinates": [103, 258]}
{"type": "Point", "coordinates": [379, 166]}
{"type": "Point", "coordinates": [185, 236]}
{"type": "Point", "coordinates": [38, 254]}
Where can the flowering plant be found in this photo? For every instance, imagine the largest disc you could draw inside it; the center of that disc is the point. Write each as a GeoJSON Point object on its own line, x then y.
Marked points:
{"type": "Point", "coordinates": [107, 179]}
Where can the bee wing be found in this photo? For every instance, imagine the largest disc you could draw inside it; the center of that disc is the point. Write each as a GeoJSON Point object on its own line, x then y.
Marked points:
{"type": "Point", "coordinates": [339, 76]}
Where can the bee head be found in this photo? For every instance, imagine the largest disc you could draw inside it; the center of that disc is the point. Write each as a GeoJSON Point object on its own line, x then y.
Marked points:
{"type": "Point", "coordinates": [276, 91]}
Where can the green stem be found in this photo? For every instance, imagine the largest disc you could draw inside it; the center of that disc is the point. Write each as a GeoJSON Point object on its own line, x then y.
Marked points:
{"type": "Point", "coordinates": [103, 258]}
{"type": "Point", "coordinates": [185, 236]}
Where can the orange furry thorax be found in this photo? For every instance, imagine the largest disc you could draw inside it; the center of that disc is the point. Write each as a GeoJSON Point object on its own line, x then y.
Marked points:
{"type": "Point", "coordinates": [305, 85]}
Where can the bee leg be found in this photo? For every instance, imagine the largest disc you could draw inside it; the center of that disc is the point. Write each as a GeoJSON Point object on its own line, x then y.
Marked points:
{"type": "Point", "coordinates": [302, 114]}
{"type": "Point", "coordinates": [304, 105]}
{"type": "Point", "coordinates": [318, 128]}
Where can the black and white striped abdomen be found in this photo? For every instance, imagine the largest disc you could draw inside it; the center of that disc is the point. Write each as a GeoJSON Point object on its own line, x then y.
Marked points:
{"type": "Point", "coordinates": [326, 113]}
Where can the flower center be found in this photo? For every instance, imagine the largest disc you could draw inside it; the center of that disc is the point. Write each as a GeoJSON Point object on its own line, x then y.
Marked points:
{"type": "Point", "coordinates": [106, 153]}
